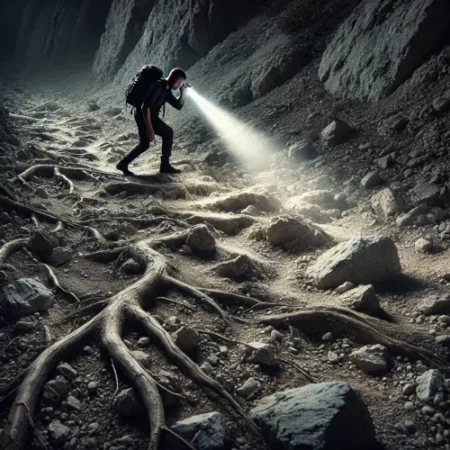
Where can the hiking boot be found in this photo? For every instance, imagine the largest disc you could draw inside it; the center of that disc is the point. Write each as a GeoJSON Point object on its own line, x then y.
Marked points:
{"type": "Point", "coordinates": [123, 167]}
{"type": "Point", "coordinates": [166, 167]}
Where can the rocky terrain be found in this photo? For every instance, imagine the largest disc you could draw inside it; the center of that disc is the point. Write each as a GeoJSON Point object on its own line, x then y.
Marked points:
{"type": "Point", "coordinates": [303, 305]}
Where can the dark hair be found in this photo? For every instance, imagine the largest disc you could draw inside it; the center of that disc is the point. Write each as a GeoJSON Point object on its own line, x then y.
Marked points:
{"type": "Point", "coordinates": [177, 73]}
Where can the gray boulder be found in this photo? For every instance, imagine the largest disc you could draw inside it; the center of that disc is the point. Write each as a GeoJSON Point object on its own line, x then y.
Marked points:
{"type": "Point", "coordinates": [381, 44]}
{"type": "Point", "coordinates": [337, 132]}
{"type": "Point", "coordinates": [371, 180]}
{"type": "Point", "coordinates": [360, 261]}
{"type": "Point", "coordinates": [324, 416]}
{"type": "Point", "coordinates": [207, 431]}
{"type": "Point", "coordinates": [201, 240]}
{"type": "Point", "coordinates": [261, 353]}
{"type": "Point", "coordinates": [363, 299]}
{"type": "Point", "coordinates": [434, 304]}
{"type": "Point", "coordinates": [371, 358]}
{"type": "Point", "coordinates": [384, 203]}
{"type": "Point", "coordinates": [429, 384]}
{"type": "Point", "coordinates": [187, 339]}
{"type": "Point", "coordinates": [24, 297]}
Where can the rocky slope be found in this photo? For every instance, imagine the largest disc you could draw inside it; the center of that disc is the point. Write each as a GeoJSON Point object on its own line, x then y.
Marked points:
{"type": "Point", "coordinates": [315, 291]}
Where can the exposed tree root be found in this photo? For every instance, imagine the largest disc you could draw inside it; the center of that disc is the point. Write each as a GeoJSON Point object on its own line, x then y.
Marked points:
{"type": "Point", "coordinates": [366, 330]}
{"type": "Point", "coordinates": [29, 211]}
{"type": "Point", "coordinates": [104, 256]}
{"type": "Point", "coordinates": [195, 293]}
{"type": "Point", "coordinates": [126, 306]}
{"type": "Point", "coordinates": [64, 179]}
{"type": "Point", "coordinates": [11, 247]}
{"type": "Point", "coordinates": [97, 236]}
{"type": "Point", "coordinates": [175, 302]}
{"type": "Point", "coordinates": [58, 286]}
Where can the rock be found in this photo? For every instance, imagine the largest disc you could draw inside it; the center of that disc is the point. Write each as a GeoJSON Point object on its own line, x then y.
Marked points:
{"type": "Point", "coordinates": [322, 197]}
{"type": "Point", "coordinates": [111, 112]}
{"type": "Point", "coordinates": [328, 337]}
{"type": "Point", "coordinates": [25, 325]}
{"type": "Point", "coordinates": [142, 358]}
{"type": "Point", "coordinates": [443, 339]}
{"type": "Point", "coordinates": [429, 384]}
{"type": "Point", "coordinates": [143, 341]}
{"type": "Point", "coordinates": [249, 388]}
{"type": "Point", "coordinates": [241, 267]}
{"type": "Point", "coordinates": [435, 304]}
{"type": "Point", "coordinates": [362, 299]}
{"type": "Point", "coordinates": [127, 403]}
{"type": "Point", "coordinates": [168, 380]}
{"type": "Point", "coordinates": [24, 297]}
{"type": "Point", "coordinates": [204, 431]}
{"type": "Point", "coordinates": [371, 358]}
{"type": "Point", "coordinates": [384, 203]}
{"type": "Point", "coordinates": [380, 45]}
{"type": "Point", "coordinates": [345, 287]}
{"type": "Point", "coordinates": [372, 180]}
{"type": "Point", "coordinates": [276, 335]}
{"type": "Point", "coordinates": [251, 211]}
{"type": "Point", "coordinates": [60, 256]}
{"type": "Point", "coordinates": [386, 161]}
{"type": "Point", "coordinates": [426, 193]}
{"type": "Point", "coordinates": [43, 242]}
{"type": "Point", "coordinates": [441, 104]}
{"type": "Point", "coordinates": [207, 368]}
{"type": "Point", "coordinates": [92, 106]}
{"type": "Point", "coordinates": [360, 261]}
{"type": "Point", "coordinates": [131, 267]}
{"type": "Point", "coordinates": [186, 339]}
{"type": "Point", "coordinates": [288, 231]}
{"type": "Point", "coordinates": [337, 132]}
{"type": "Point", "coordinates": [41, 192]}
{"type": "Point", "coordinates": [409, 389]}
{"type": "Point", "coordinates": [412, 217]}
{"type": "Point", "coordinates": [201, 240]}
{"type": "Point", "coordinates": [55, 390]}
{"type": "Point", "coordinates": [92, 387]}
{"type": "Point", "coordinates": [58, 433]}
{"type": "Point", "coordinates": [67, 371]}
{"type": "Point", "coordinates": [302, 151]}
{"type": "Point", "coordinates": [73, 403]}
{"type": "Point", "coordinates": [423, 245]}
{"type": "Point", "coordinates": [261, 353]}
{"type": "Point", "coordinates": [325, 416]}
{"type": "Point", "coordinates": [393, 124]}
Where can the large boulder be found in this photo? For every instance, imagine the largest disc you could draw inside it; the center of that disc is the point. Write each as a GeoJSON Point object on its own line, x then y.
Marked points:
{"type": "Point", "coordinates": [324, 416]}
{"type": "Point", "coordinates": [24, 297]}
{"type": "Point", "coordinates": [204, 431]}
{"type": "Point", "coordinates": [361, 261]}
{"type": "Point", "coordinates": [381, 44]}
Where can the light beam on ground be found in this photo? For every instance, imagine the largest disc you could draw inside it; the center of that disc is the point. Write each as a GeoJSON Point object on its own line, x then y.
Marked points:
{"type": "Point", "coordinates": [251, 147]}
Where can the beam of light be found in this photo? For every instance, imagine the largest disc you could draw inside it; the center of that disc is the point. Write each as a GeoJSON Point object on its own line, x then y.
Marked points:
{"type": "Point", "coordinates": [247, 145]}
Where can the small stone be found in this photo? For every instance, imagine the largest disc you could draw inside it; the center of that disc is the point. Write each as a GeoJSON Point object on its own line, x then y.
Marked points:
{"type": "Point", "coordinates": [409, 389]}
{"type": "Point", "coordinates": [73, 403]}
{"type": "Point", "coordinates": [41, 192]}
{"type": "Point", "coordinates": [131, 267]}
{"type": "Point", "coordinates": [276, 335]}
{"type": "Point", "coordinates": [249, 388]}
{"type": "Point", "coordinates": [423, 245]}
{"type": "Point", "coordinates": [409, 406]}
{"type": "Point", "coordinates": [187, 339]}
{"type": "Point", "coordinates": [127, 403]}
{"type": "Point", "coordinates": [427, 410]}
{"type": "Point", "coordinates": [372, 180]}
{"type": "Point", "coordinates": [67, 371]}
{"type": "Point", "coordinates": [207, 368]}
{"type": "Point", "coordinates": [328, 337]}
{"type": "Point", "coordinates": [92, 387]}
{"type": "Point", "coordinates": [373, 358]}
{"type": "Point", "coordinates": [347, 286]}
{"type": "Point", "coordinates": [251, 211]}
{"type": "Point", "coordinates": [143, 342]}
{"type": "Point", "coordinates": [261, 353]}
{"type": "Point", "coordinates": [201, 240]}
{"type": "Point", "coordinates": [337, 132]}
{"type": "Point", "coordinates": [58, 433]}
{"type": "Point", "coordinates": [88, 350]}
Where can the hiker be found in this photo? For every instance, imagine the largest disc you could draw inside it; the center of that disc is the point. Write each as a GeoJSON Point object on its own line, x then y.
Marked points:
{"type": "Point", "coordinates": [147, 113]}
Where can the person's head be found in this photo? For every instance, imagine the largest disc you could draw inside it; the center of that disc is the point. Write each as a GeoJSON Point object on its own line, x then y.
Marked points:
{"type": "Point", "coordinates": [176, 78]}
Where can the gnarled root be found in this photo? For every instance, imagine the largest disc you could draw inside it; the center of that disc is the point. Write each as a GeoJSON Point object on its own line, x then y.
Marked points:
{"type": "Point", "coordinates": [366, 330]}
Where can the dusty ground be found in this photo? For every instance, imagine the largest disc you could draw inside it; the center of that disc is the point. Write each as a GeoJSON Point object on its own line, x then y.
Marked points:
{"type": "Point", "coordinates": [69, 136]}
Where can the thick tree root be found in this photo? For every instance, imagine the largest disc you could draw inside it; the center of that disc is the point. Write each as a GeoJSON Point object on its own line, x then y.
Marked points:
{"type": "Point", "coordinates": [126, 306]}
{"type": "Point", "coordinates": [65, 180]}
{"type": "Point", "coordinates": [364, 329]}
{"type": "Point", "coordinates": [11, 247]}
{"type": "Point", "coordinates": [58, 286]}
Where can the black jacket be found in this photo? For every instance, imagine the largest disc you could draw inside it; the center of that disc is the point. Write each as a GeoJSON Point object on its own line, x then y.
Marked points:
{"type": "Point", "coordinates": [158, 95]}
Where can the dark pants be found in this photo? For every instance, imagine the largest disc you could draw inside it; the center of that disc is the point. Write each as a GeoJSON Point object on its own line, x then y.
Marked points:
{"type": "Point", "coordinates": [159, 127]}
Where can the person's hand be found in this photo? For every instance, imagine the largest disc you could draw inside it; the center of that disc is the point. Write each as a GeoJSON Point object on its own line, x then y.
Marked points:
{"type": "Point", "coordinates": [151, 135]}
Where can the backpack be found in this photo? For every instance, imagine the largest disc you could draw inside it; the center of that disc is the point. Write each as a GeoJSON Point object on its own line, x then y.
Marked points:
{"type": "Point", "coordinates": [138, 89]}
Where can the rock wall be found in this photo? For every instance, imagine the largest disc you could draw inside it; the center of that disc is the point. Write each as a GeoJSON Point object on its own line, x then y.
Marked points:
{"type": "Point", "coordinates": [180, 32]}
{"type": "Point", "coordinates": [10, 15]}
{"type": "Point", "coordinates": [381, 45]}
{"type": "Point", "coordinates": [124, 27]}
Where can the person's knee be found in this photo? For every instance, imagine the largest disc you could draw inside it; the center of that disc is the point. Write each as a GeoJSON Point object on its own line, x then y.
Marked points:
{"type": "Point", "coordinates": [145, 145]}
{"type": "Point", "coordinates": [169, 133]}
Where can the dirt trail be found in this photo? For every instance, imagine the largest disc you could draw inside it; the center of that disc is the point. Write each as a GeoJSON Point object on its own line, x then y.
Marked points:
{"type": "Point", "coordinates": [135, 240]}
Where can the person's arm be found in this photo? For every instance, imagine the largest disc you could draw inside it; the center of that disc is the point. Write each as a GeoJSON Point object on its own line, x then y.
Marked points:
{"type": "Point", "coordinates": [148, 123]}
{"type": "Point", "coordinates": [178, 103]}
